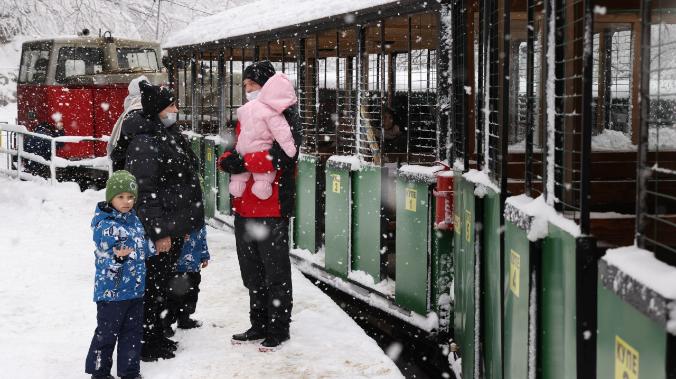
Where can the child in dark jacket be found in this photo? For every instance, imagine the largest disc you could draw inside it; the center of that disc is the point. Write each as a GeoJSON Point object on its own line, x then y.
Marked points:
{"type": "Point", "coordinates": [184, 286]}
{"type": "Point", "coordinates": [121, 251]}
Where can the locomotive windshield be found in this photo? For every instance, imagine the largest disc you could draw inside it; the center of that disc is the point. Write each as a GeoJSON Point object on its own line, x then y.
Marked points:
{"type": "Point", "coordinates": [137, 59]}
{"type": "Point", "coordinates": [76, 61]}
{"type": "Point", "coordinates": [34, 63]}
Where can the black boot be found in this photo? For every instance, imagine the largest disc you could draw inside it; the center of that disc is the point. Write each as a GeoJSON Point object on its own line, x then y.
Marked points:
{"type": "Point", "coordinates": [251, 335]}
{"type": "Point", "coordinates": [188, 323]}
{"type": "Point", "coordinates": [151, 353]}
{"type": "Point", "coordinates": [103, 376]}
{"type": "Point", "coordinates": [273, 342]}
{"type": "Point", "coordinates": [168, 344]}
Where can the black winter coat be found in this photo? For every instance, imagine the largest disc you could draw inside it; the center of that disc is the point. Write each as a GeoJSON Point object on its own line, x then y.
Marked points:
{"type": "Point", "coordinates": [169, 195]}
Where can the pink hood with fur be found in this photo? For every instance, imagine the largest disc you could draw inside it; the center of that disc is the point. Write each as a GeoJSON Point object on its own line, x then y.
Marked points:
{"type": "Point", "coordinates": [261, 120]}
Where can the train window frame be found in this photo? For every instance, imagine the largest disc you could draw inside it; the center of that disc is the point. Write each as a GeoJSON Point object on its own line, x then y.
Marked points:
{"type": "Point", "coordinates": [61, 75]}
{"type": "Point", "coordinates": [119, 51]}
{"type": "Point", "coordinates": [45, 52]}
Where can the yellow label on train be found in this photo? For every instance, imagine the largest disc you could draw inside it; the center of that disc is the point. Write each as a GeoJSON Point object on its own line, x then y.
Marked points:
{"type": "Point", "coordinates": [336, 183]}
{"type": "Point", "coordinates": [456, 224]}
{"type": "Point", "coordinates": [411, 199]}
{"type": "Point", "coordinates": [468, 225]}
{"type": "Point", "coordinates": [514, 272]}
{"type": "Point", "coordinates": [626, 360]}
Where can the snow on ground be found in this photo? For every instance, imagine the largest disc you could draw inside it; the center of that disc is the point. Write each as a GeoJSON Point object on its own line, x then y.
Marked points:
{"type": "Point", "coordinates": [8, 113]}
{"type": "Point", "coordinates": [47, 316]}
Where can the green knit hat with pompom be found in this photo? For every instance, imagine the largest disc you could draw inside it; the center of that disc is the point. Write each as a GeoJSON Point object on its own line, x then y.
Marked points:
{"type": "Point", "coordinates": [119, 182]}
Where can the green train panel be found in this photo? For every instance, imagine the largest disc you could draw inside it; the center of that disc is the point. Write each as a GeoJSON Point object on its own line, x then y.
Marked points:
{"type": "Point", "coordinates": [209, 187]}
{"type": "Point", "coordinates": [305, 222]}
{"type": "Point", "coordinates": [491, 299]}
{"type": "Point", "coordinates": [413, 240]}
{"type": "Point", "coordinates": [338, 218]}
{"type": "Point", "coordinates": [466, 291]}
{"type": "Point", "coordinates": [367, 220]}
{"type": "Point", "coordinates": [223, 181]}
{"type": "Point", "coordinates": [633, 340]}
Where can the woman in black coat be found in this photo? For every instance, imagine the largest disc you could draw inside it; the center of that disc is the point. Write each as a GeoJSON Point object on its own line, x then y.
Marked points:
{"type": "Point", "coordinates": [169, 201]}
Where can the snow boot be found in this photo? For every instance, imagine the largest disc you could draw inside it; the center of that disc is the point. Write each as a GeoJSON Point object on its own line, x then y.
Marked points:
{"type": "Point", "coordinates": [251, 335]}
{"type": "Point", "coordinates": [273, 343]}
{"type": "Point", "coordinates": [103, 376]}
{"type": "Point", "coordinates": [168, 344]}
{"type": "Point", "coordinates": [155, 352]}
{"type": "Point", "coordinates": [188, 323]}
{"type": "Point", "coordinates": [168, 332]}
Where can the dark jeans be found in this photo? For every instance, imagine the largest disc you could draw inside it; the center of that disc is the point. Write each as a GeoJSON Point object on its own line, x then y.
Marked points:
{"type": "Point", "coordinates": [263, 253]}
{"type": "Point", "coordinates": [158, 272]}
{"type": "Point", "coordinates": [121, 322]}
{"type": "Point", "coordinates": [184, 288]}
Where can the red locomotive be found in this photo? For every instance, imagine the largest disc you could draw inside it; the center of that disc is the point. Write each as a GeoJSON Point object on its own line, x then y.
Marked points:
{"type": "Point", "coordinates": [78, 84]}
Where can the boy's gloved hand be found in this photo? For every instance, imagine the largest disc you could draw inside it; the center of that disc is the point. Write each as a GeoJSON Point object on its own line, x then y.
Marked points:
{"type": "Point", "coordinates": [205, 264]}
{"type": "Point", "coordinates": [122, 252]}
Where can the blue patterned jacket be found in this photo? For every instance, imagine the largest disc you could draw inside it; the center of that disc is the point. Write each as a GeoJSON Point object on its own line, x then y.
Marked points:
{"type": "Point", "coordinates": [194, 252]}
{"type": "Point", "coordinates": [116, 278]}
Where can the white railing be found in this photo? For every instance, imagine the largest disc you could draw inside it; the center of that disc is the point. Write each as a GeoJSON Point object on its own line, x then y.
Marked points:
{"type": "Point", "coordinates": [12, 145]}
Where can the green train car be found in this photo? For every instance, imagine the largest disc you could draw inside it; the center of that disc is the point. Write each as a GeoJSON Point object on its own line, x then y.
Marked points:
{"type": "Point", "coordinates": [500, 174]}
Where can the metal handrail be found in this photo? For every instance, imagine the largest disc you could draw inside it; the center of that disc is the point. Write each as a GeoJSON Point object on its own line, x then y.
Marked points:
{"type": "Point", "coordinates": [19, 132]}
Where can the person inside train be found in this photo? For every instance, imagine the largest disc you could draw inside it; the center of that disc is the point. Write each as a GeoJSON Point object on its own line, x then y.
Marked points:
{"type": "Point", "coordinates": [393, 134]}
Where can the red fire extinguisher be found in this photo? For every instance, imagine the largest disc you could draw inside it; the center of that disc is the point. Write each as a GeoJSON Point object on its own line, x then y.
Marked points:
{"type": "Point", "coordinates": [443, 215]}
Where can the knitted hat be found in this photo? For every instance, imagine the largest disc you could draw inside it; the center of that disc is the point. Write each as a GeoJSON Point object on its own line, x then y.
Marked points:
{"type": "Point", "coordinates": [259, 72]}
{"type": "Point", "coordinates": [154, 98]}
{"type": "Point", "coordinates": [121, 181]}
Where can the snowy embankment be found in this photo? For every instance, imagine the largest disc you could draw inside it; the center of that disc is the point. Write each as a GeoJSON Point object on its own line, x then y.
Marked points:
{"type": "Point", "coordinates": [47, 315]}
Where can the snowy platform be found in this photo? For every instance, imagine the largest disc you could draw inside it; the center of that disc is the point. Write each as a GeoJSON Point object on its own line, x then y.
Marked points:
{"type": "Point", "coordinates": [47, 316]}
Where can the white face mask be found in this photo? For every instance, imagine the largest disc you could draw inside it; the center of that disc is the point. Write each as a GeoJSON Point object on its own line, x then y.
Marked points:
{"type": "Point", "coordinates": [169, 120]}
{"type": "Point", "coordinates": [250, 96]}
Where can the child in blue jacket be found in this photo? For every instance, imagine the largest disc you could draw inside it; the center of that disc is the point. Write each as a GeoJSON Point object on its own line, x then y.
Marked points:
{"type": "Point", "coordinates": [184, 286]}
{"type": "Point", "coordinates": [121, 251]}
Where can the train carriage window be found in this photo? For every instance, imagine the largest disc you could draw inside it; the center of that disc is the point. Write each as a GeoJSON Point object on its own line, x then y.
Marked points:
{"type": "Point", "coordinates": [613, 57]}
{"type": "Point", "coordinates": [422, 99]}
{"type": "Point", "coordinates": [371, 95]}
{"type": "Point", "coordinates": [185, 94]}
{"type": "Point", "coordinates": [137, 59]}
{"type": "Point", "coordinates": [307, 94]}
{"type": "Point", "coordinates": [346, 91]}
{"type": "Point", "coordinates": [657, 165]}
{"type": "Point", "coordinates": [327, 84]}
{"type": "Point", "coordinates": [76, 61]}
{"type": "Point", "coordinates": [207, 94]}
{"type": "Point", "coordinates": [34, 63]}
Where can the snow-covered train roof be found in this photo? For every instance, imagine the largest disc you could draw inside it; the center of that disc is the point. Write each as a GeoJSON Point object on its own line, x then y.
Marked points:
{"type": "Point", "coordinates": [265, 15]}
{"type": "Point", "coordinates": [73, 39]}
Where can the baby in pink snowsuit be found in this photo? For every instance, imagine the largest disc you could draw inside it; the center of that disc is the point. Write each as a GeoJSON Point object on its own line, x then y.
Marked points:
{"type": "Point", "coordinates": [261, 122]}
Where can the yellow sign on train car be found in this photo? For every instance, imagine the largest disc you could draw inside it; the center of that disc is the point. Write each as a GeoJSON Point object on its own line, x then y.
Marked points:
{"type": "Point", "coordinates": [457, 224]}
{"type": "Point", "coordinates": [514, 272]}
{"type": "Point", "coordinates": [468, 225]}
{"type": "Point", "coordinates": [411, 199]}
{"type": "Point", "coordinates": [210, 155]}
{"type": "Point", "coordinates": [626, 360]}
{"type": "Point", "coordinates": [335, 186]}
